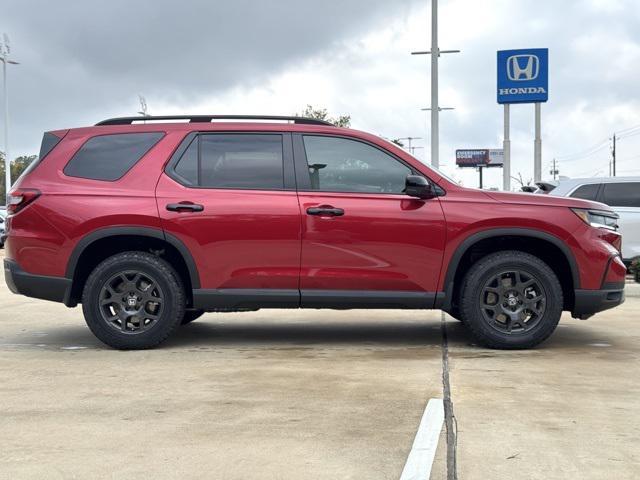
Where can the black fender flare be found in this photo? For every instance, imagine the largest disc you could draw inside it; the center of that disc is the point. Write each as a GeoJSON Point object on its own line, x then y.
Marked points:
{"type": "Point", "coordinates": [468, 242]}
{"type": "Point", "coordinates": [157, 233]}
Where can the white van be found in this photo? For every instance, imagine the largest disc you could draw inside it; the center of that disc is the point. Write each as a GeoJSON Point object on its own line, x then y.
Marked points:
{"type": "Point", "coordinates": [620, 193]}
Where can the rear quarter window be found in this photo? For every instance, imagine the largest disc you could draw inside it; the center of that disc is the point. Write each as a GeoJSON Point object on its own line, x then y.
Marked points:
{"type": "Point", "coordinates": [109, 157]}
{"type": "Point", "coordinates": [586, 192]}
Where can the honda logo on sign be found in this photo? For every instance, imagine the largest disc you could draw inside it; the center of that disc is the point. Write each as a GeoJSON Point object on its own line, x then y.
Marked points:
{"type": "Point", "coordinates": [523, 75]}
{"type": "Point", "coordinates": [523, 67]}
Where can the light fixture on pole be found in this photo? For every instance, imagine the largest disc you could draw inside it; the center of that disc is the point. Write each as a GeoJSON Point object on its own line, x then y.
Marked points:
{"type": "Point", "coordinates": [427, 109]}
{"type": "Point", "coordinates": [5, 50]}
{"type": "Point", "coordinates": [435, 109]}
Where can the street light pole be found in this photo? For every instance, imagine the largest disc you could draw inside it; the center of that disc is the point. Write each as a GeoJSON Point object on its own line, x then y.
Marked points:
{"type": "Point", "coordinates": [435, 109]}
{"type": "Point", "coordinates": [5, 49]}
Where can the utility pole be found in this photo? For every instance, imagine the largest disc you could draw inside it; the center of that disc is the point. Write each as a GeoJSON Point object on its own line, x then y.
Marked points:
{"type": "Point", "coordinates": [554, 169]}
{"type": "Point", "coordinates": [5, 50]}
{"type": "Point", "coordinates": [435, 110]}
{"type": "Point", "coordinates": [409, 140]}
{"type": "Point", "coordinates": [613, 155]}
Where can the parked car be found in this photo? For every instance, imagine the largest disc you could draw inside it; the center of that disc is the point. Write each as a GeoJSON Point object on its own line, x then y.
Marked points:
{"type": "Point", "coordinates": [3, 214]}
{"type": "Point", "coordinates": [622, 194]}
{"type": "Point", "coordinates": [148, 225]}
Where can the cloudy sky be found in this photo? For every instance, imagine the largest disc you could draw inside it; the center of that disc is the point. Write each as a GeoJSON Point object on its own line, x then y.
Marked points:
{"type": "Point", "coordinates": [85, 61]}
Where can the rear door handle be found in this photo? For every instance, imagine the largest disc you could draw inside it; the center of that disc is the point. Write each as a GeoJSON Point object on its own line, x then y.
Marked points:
{"type": "Point", "coordinates": [184, 207]}
{"type": "Point", "coordinates": [328, 211]}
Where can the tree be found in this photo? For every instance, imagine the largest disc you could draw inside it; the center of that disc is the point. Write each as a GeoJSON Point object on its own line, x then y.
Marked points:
{"type": "Point", "coordinates": [17, 167]}
{"type": "Point", "coordinates": [323, 114]}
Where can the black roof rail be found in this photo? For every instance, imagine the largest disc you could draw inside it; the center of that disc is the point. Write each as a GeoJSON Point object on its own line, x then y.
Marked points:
{"type": "Point", "coordinates": [209, 118]}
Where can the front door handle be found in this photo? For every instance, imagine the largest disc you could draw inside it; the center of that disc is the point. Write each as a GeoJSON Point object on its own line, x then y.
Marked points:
{"type": "Point", "coordinates": [184, 207]}
{"type": "Point", "coordinates": [328, 211]}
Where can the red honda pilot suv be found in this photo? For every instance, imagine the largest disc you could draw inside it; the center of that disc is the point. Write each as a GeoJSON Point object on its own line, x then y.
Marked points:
{"type": "Point", "coordinates": [149, 223]}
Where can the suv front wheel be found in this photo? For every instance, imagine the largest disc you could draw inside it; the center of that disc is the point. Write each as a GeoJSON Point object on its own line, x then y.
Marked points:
{"type": "Point", "coordinates": [511, 300]}
{"type": "Point", "coordinates": [133, 300]}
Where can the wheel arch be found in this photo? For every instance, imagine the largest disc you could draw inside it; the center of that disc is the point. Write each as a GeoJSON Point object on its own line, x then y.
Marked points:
{"type": "Point", "coordinates": [512, 238]}
{"type": "Point", "coordinates": [108, 241]}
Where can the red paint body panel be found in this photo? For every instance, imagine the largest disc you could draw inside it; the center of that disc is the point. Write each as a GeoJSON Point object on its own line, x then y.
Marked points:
{"type": "Point", "coordinates": [383, 242]}
{"type": "Point", "coordinates": [242, 239]}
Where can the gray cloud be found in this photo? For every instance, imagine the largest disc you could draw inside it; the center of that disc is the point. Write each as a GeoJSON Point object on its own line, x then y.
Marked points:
{"type": "Point", "coordinates": [82, 61]}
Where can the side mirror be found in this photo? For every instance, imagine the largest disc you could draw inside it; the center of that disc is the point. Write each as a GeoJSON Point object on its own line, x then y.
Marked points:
{"type": "Point", "coordinates": [419, 187]}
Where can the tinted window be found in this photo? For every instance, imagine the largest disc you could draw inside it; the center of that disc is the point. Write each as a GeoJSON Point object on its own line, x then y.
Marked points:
{"type": "Point", "coordinates": [342, 165]}
{"type": "Point", "coordinates": [247, 161]}
{"type": "Point", "coordinates": [622, 194]}
{"type": "Point", "coordinates": [187, 167]}
{"type": "Point", "coordinates": [49, 141]}
{"type": "Point", "coordinates": [109, 157]}
{"type": "Point", "coordinates": [586, 192]}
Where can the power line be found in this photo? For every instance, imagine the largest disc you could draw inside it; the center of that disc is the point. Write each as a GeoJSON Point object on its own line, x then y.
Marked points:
{"type": "Point", "coordinates": [586, 152]}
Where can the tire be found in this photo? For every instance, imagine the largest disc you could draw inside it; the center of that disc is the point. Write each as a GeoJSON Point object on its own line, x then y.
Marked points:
{"type": "Point", "coordinates": [191, 315]}
{"type": "Point", "coordinates": [511, 300]}
{"type": "Point", "coordinates": [139, 289]}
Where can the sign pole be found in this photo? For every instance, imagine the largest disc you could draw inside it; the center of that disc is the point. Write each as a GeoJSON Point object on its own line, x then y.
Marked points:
{"type": "Point", "coordinates": [506, 147]}
{"type": "Point", "coordinates": [537, 146]}
{"type": "Point", "coordinates": [435, 53]}
{"type": "Point", "coordinates": [480, 168]}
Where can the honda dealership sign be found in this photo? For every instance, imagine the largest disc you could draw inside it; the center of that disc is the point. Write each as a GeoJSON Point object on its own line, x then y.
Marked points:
{"type": "Point", "coordinates": [523, 75]}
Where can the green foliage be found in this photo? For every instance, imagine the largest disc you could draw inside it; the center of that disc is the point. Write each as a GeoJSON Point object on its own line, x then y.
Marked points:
{"type": "Point", "coordinates": [635, 268]}
{"type": "Point", "coordinates": [323, 114]}
{"type": "Point", "coordinates": [17, 167]}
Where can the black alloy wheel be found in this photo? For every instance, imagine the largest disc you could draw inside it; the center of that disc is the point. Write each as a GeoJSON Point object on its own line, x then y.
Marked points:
{"type": "Point", "coordinates": [131, 302]}
{"type": "Point", "coordinates": [513, 302]}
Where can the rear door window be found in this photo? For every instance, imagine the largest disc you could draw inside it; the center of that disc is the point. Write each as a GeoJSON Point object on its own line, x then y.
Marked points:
{"type": "Point", "coordinates": [586, 192]}
{"type": "Point", "coordinates": [248, 161]}
{"type": "Point", "coordinates": [625, 194]}
{"type": "Point", "coordinates": [109, 157]}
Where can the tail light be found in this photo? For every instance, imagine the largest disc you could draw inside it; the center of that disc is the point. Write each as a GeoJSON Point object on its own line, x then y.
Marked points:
{"type": "Point", "coordinates": [20, 198]}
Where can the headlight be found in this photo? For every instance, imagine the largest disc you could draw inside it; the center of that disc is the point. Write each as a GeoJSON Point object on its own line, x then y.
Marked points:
{"type": "Point", "coordinates": [598, 218]}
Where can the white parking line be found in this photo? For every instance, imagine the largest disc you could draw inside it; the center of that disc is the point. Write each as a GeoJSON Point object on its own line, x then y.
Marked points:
{"type": "Point", "coordinates": [420, 459]}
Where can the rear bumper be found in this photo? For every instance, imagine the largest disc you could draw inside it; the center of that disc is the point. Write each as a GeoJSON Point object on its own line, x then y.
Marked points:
{"type": "Point", "coordinates": [36, 286]}
{"type": "Point", "coordinates": [590, 302]}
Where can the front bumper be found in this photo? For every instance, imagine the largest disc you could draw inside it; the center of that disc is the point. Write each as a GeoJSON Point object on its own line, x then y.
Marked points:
{"type": "Point", "coordinates": [589, 302]}
{"type": "Point", "coordinates": [36, 286]}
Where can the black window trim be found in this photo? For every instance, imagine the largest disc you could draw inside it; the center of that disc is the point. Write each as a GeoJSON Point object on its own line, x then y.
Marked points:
{"type": "Point", "coordinates": [288, 172]}
{"type": "Point", "coordinates": [162, 133]}
{"type": "Point", "coordinates": [302, 165]}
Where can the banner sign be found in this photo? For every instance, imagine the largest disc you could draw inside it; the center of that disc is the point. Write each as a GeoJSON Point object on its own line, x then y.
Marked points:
{"type": "Point", "coordinates": [479, 157]}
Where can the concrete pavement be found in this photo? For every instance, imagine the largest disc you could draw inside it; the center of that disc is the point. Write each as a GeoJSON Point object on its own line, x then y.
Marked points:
{"type": "Point", "coordinates": [312, 394]}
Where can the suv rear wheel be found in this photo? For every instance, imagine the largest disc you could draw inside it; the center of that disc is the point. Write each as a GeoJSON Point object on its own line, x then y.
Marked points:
{"type": "Point", "coordinates": [133, 300]}
{"type": "Point", "coordinates": [511, 300]}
